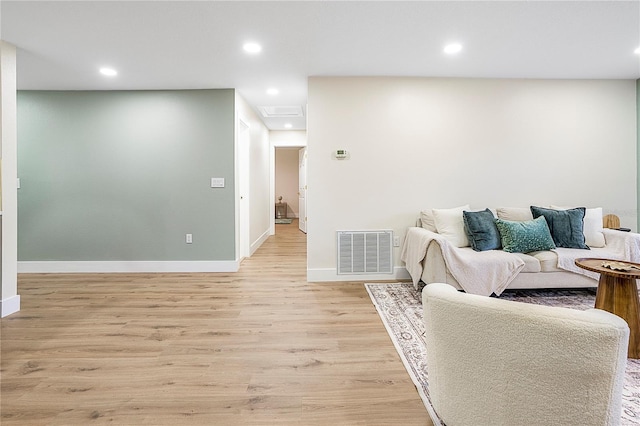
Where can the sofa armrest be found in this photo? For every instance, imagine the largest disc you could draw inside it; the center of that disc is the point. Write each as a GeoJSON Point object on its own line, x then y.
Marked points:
{"type": "Point", "coordinates": [613, 236]}
{"type": "Point", "coordinates": [626, 245]}
{"type": "Point", "coordinates": [414, 250]}
{"type": "Point", "coordinates": [425, 233]}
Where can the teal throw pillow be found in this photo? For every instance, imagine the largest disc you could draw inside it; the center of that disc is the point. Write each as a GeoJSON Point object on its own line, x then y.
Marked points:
{"type": "Point", "coordinates": [481, 230]}
{"type": "Point", "coordinates": [525, 237]}
{"type": "Point", "coordinates": [566, 226]}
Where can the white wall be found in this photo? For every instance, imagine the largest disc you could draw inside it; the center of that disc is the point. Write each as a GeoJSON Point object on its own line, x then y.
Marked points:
{"type": "Point", "coordinates": [419, 143]}
{"type": "Point", "coordinates": [282, 138]}
{"type": "Point", "coordinates": [9, 298]}
{"type": "Point", "coordinates": [260, 203]}
{"type": "Point", "coordinates": [287, 176]}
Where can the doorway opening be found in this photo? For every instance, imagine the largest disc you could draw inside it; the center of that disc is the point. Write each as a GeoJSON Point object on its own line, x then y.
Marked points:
{"type": "Point", "coordinates": [290, 187]}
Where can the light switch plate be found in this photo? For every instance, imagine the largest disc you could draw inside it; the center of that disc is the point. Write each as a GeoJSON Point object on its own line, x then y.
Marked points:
{"type": "Point", "coordinates": [217, 182]}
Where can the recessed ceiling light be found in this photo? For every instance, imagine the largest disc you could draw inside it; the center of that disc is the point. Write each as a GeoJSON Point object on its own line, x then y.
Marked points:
{"type": "Point", "coordinates": [637, 51]}
{"type": "Point", "coordinates": [252, 47]}
{"type": "Point", "coordinates": [272, 91]}
{"type": "Point", "coordinates": [288, 126]}
{"type": "Point", "coordinates": [109, 72]}
{"type": "Point", "coordinates": [453, 48]}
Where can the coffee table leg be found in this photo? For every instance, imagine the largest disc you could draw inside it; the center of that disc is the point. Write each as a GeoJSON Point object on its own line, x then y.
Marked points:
{"type": "Point", "coordinates": [620, 297]}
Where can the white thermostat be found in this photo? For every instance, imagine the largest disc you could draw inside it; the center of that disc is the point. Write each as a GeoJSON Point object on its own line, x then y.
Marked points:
{"type": "Point", "coordinates": [341, 153]}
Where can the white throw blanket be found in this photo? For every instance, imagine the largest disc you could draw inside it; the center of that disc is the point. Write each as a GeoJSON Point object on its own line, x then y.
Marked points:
{"type": "Point", "coordinates": [619, 246]}
{"type": "Point", "coordinates": [480, 273]}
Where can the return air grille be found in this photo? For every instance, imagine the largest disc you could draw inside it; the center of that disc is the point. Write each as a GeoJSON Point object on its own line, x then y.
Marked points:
{"type": "Point", "coordinates": [365, 252]}
{"type": "Point", "coordinates": [281, 111]}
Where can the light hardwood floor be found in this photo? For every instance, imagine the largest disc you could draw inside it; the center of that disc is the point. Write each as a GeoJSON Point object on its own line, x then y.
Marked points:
{"type": "Point", "coordinates": [257, 347]}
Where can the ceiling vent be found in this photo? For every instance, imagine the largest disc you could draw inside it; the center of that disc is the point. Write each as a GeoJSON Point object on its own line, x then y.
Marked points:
{"type": "Point", "coordinates": [281, 111]}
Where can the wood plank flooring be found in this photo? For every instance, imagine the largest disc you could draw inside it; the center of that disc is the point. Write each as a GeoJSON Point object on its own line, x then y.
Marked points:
{"type": "Point", "coordinates": [257, 347]}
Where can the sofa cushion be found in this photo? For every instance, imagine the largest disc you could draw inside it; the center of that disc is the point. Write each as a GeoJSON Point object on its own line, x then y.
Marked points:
{"type": "Point", "coordinates": [525, 237]}
{"type": "Point", "coordinates": [449, 224]}
{"type": "Point", "coordinates": [548, 260]}
{"type": "Point", "coordinates": [565, 226]}
{"type": "Point", "coordinates": [517, 214]}
{"type": "Point", "coordinates": [592, 228]}
{"type": "Point", "coordinates": [531, 264]}
{"type": "Point", "coordinates": [481, 230]}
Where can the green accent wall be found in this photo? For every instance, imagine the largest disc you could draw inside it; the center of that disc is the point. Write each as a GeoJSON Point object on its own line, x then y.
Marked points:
{"type": "Point", "coordinates": [638, 149]}
{"type": "Point", "coordinates": [124, 175]}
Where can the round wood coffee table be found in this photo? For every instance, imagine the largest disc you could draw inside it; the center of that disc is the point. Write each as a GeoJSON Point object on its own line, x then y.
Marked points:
{"type": "Point", "coordinates": [618, 294]}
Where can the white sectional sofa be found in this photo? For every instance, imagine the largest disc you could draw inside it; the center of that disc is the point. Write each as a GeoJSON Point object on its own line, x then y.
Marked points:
{"type": "Point", "coordinates": [440, 250]}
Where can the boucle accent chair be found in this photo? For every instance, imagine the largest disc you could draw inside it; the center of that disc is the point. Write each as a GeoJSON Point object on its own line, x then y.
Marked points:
{"type": "Point", "coordinates": [499, 362]}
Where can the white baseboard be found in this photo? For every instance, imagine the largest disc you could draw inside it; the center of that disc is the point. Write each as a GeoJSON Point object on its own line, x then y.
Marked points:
{"type": "Point", "coordinates": [256, 245]}
{"type": "Point", "coordinates": [330, 274]}
{"type": "Point", "coordinates": [9, 306]}
{"type": "Point", "coordinates": [128, 266]}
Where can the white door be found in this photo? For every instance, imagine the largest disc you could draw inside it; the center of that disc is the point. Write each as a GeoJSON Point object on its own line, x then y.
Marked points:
{"type": "Point", "coordinates": [302, 189]}
{"type": "Point", "coordinates": [244, 144]}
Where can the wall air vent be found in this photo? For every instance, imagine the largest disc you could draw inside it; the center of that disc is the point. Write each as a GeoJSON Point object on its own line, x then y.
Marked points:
{"type": "Point", "coordinates": [365, 252]}
{"type": "Point", "coordinates": [281, 111]}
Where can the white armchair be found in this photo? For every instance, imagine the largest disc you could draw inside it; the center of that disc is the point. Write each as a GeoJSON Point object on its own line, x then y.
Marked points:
{"type": "Point", "coordinates": [499, 362]}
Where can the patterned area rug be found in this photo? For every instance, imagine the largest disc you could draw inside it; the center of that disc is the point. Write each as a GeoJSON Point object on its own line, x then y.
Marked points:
{"type": "Point", "coordinates": [400, 308]}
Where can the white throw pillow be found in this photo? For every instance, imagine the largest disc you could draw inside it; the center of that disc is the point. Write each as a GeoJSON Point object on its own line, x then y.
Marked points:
{"type": "Point", "coordinates": [450, 224]}
{"type": "Point", "coordinates": [426, 217]}
{"type": "Point", "coordinates": [592, 226]}
{"type": "Point", "coordinates": [516, 214]}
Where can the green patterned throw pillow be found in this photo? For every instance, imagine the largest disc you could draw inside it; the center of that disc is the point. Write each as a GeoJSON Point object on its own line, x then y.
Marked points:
{"type": "Point", "coordinates": [525, 237]}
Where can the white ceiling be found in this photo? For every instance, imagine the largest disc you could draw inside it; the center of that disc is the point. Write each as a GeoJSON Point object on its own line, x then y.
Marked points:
{"type": "Point", "coordinates": [198, 44]}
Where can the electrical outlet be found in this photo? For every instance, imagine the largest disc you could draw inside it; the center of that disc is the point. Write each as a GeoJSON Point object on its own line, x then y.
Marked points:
{"type": "Point", "coordinates": [189, 238]}
{"type": "Point", "coordinates": [396, 241]}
